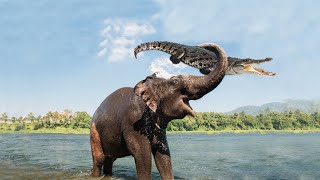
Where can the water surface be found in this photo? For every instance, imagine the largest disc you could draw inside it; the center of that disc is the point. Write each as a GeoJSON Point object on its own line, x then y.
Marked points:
{"type": "Point", "coordinates": [194, 156]}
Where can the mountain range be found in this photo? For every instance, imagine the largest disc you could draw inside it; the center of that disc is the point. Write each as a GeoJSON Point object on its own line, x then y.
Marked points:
{"type": "Point", "coordinates": [307, 106]}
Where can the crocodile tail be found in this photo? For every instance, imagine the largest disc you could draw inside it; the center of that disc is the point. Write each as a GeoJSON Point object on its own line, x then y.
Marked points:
{"type": "Point", "coordinates": [168, 47]}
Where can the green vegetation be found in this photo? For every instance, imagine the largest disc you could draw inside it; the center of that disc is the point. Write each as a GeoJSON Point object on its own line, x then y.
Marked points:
{"type": "Point", "coordinates": [79, 122]}
{"type": "Point", "coordinates": [52, 122]}
{"type": "Point", "coordinates": [268, 121]}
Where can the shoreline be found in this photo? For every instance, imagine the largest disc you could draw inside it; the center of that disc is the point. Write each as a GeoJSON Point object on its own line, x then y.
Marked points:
{"type": "Point", "coordinates": [246, 131]}
{"type": "Point", "coordinates": [61, 130]}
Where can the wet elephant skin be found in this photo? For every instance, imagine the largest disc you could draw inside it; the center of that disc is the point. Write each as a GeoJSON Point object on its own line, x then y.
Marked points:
{"type": "Point", "coordinates": [132, 121]}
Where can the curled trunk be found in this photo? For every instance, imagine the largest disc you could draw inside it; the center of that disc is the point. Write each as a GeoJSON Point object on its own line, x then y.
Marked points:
{"type": "Point", "coordinates": [198, 86]}
{"type": "Point", "coordinates": [195, 86]}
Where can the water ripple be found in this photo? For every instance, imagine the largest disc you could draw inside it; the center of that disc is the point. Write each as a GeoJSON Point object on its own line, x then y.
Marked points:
{"type": "Point", "coordinates": [194, 156]}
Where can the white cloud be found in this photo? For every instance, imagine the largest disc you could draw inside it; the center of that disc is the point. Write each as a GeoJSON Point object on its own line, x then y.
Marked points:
{"type": "Point", "coordinates": [260, 27]}
{"type": "Point", "coordinates": [288, 31]}
{"type": "Point", "coordinates": [120, 36]}
{"type": "Point", "coordinates": [164, 68]}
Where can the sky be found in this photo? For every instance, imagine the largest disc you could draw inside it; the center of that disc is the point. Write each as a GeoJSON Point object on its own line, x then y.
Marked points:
{"type": "Point", "coordinates": [57, 55]}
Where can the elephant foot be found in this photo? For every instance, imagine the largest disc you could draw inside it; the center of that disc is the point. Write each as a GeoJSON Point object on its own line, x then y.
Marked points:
{"type": "Point", "coordinates": [96, 172]}
{"type": "Point", "coordinates": [107, 166]}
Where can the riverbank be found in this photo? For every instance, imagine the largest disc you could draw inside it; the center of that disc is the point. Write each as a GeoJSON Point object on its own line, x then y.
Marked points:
{"type": "Point", "coordinates": [28, 129]}
{"type": "Point", "coordinates": [247, 131]}
{"type": "Point", "coordinates": [62, 130]}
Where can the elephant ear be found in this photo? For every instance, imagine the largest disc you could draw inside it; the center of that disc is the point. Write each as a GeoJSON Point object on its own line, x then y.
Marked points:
{"type": "Point", "coordinates": [144, 90]}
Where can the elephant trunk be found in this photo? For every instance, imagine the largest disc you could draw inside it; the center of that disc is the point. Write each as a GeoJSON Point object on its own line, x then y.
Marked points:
{"type": "Point", "coordinates": [194, 86]}
{"type": "Point", "coordinates": [198, 86]}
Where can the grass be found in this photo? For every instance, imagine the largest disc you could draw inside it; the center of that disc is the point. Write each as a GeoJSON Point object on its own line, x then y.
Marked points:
{"type": "Point", "coordinates": [247, 131]}
{"type": "Point", "coordinates": [59, 130]}
{"type": "Point", "coordinates": [11, 128]}
{"type": "Point", "coordinates": [7, 128]}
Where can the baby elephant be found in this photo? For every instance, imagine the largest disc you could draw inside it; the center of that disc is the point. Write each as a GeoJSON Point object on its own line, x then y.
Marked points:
{"type": "Point", "coordinates": [133, 121]}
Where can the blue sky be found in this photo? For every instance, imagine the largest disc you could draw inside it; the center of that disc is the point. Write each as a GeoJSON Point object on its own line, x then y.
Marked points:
{"type": "Point", "coordinates": [71, 54]}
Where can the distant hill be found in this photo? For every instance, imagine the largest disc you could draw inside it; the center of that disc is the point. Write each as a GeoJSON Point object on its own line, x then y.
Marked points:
{"type": "Point", "coordinates": [307, 106]}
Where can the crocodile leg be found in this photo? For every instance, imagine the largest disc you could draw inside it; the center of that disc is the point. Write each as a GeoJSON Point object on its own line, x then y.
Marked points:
{"type": "Point", "coordinates": [174, 60]}
{"type": "Point", "coordinates": [206, 70]}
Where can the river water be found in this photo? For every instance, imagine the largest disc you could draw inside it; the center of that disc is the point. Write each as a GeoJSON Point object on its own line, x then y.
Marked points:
{"type": "Point", "coordinates": [194, 156]}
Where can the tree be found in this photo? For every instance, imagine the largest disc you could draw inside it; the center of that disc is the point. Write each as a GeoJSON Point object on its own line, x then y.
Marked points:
{"type": "Point", "coordinates": [264, 121]}
{"type": "Point", "coordinates": [4, 116]}
{"type": "Point", "coordinates": [81, 120]}
{"type": "Point", "coordinates": [31, 117]}
{"type": "Point", "coordinates": [13, 119]}
{"type": "Point", "coordinates": [316, 119]}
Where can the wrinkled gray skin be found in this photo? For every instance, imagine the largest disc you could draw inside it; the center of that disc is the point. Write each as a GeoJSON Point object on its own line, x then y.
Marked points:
{"type": "Point", "coordinates": [132, 121]}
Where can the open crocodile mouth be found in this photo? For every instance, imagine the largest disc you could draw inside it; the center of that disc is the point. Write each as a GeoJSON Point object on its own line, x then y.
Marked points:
{"type": "Point", "coordinates": [248, 69]}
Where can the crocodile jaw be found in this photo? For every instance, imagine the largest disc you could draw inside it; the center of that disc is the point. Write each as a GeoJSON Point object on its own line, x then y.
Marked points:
{"type": "Point", "coordinates": [248, 69]}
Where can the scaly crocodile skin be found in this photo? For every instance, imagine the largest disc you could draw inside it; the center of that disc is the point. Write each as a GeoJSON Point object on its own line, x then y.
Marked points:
{"type": "Point", "coordinates": [191, 55]}
{"type": "Point", "coordinates": [202, 58]}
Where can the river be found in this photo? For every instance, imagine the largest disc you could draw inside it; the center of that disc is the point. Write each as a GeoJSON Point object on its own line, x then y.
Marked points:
{"type": "Point", "coordinates": [194, 156]}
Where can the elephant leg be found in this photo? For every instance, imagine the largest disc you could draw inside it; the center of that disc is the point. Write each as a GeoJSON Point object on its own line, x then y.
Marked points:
{"type": "Point", "coordinates": [97, 152]}
{"type": "Point", "coordinates": [143, 165]}
{"type": "Point", "coordinates": [107, 166]}
{"type": "Point", "coordinates": [163, 163]}
{"type": "Point", "coordinates": [140, 148]}
{"type": "Point", "coordinates": [161, 154]}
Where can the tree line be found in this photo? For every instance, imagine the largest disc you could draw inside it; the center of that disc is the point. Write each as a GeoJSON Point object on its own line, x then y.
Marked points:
{"type": "Point", "coordinates": [211, 121]}
{"type": "Point", "coordinates": [203, 121]}
{"type": "Point", "coordinates": [50, 120]}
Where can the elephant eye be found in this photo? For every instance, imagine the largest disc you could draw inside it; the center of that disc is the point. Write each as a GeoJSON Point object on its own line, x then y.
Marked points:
{"type": "Point", "coordinates": [175, 82]}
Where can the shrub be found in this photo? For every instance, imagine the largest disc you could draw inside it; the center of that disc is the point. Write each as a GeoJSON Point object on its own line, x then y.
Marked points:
{"type": "Point", "coordinates": [38, 126]}
{"type": "Point", "coordinates": [19, 127]}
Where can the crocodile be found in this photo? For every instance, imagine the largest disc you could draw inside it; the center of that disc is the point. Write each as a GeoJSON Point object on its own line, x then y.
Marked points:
{"type": "Point", "coordinates": [204, 58]}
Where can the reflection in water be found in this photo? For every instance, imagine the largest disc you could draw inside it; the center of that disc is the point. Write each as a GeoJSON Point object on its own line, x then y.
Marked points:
{"type": "Point", "coordinates": [194, 156]}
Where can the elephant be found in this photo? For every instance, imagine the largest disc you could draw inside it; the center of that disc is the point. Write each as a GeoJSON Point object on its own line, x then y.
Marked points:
{"type": "Point", "coordinates": [133, 121]}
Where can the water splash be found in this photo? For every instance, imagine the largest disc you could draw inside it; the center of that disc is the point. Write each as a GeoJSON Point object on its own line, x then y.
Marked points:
{"type": "Point", "coordinates": [164, 68]}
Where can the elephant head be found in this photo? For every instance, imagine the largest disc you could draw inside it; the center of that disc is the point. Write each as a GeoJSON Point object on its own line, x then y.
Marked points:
{"type": "Point", "coordinates": [170, 98]}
